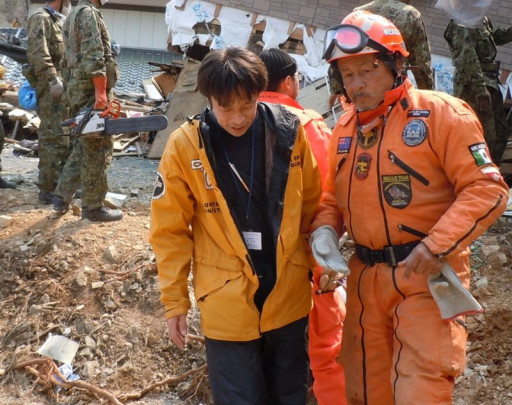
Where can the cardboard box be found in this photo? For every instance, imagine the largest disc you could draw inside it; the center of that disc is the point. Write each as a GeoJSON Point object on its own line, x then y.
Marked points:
{"type": "Point", "coordinates": [166, 83]}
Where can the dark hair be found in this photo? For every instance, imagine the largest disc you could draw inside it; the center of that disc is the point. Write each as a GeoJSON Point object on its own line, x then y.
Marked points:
{"type": "Point", "coordinates": [279, 65]}
{"type": "Point", "coordinates": [232, 71]}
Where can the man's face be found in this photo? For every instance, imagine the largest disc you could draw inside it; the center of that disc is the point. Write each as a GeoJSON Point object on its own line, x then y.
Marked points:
{"type": "Point", "coordinates": [66, 7]}
{"type": "Point", "coordinates": [237, 117]}
{"type": "Point", "coordinates": [365, 84]}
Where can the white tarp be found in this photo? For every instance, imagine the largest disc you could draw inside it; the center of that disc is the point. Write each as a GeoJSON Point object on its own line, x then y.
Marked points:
{"type": "Point", "coordinates": [469, 13]}
{"type": "Point", "coordinates": [180, 22]}
{"type": "Point", "coordinates": [236, 27]}
{"type": "Point", "coordinates": [236, 30]}
{"type": "Point", "coordinates": [276, 32]}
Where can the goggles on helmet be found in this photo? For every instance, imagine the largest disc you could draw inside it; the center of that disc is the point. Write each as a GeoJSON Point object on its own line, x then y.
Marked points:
{"type": "Point", "coordinates": [350, 39]}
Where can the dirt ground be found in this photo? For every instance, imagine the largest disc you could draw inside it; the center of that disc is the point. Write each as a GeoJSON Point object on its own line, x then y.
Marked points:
{"type": "Point", "coordinates": [96, 284]}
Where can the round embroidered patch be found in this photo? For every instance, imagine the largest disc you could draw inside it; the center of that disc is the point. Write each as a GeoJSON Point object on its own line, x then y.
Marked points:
{"type": "Point", "coordinates": [363, 165]}
{"type": "Point", "coordinates": [414, 132]}
{"type": "Point", "coordinates": [159, 187]}
{"type": "Point", "coordinates": [368, 139]}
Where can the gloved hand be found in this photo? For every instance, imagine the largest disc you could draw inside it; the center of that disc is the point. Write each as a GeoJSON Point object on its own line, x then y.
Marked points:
{"type": "Point", "coordinates": [324, 245]}
{"type": "Point", "coordinates": [452, 298]}
{"type": "Point", "coordinates": [100, 92]}
{"type": "Point", "coordinates": [56, 88]}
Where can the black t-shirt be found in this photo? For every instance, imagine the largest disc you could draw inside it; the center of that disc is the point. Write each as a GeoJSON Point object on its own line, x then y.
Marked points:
{"type": "Point", "coordinates": [250, 215]}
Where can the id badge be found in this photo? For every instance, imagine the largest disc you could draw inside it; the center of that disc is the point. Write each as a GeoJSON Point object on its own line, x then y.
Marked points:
{"type": "Point", "coordinates": [252, 240]}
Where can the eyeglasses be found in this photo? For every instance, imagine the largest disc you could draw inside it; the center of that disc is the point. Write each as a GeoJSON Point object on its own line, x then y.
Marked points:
{"type": "Point", "coordinates": [349, 39]}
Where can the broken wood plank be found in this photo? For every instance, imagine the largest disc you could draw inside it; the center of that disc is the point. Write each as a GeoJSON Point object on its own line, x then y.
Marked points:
{"type": "Point", "coordinates": [121, 145]}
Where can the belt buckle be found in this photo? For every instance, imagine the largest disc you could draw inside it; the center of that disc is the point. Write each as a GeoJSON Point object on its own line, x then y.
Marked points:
{"type": "Point", "coordinates": [389, 254]}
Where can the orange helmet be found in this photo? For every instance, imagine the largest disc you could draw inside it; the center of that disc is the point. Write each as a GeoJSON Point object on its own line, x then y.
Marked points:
{"type": "Point", "coordinates": [362, 32]}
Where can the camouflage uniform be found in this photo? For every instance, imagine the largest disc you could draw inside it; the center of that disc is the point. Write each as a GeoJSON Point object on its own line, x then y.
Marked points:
{"type": "Point", "coordinates": [2, 132]}
{"type": "Point", "coordinates": [2, 140]}
{"type": "Point", "coordinates": [409, 22]}
{"type": "Point", "coordinates": [88, 54]}
{"type": "Point", "coordinates": [44, 53]}
{"type": "Point", "coordinates": [476, 77]}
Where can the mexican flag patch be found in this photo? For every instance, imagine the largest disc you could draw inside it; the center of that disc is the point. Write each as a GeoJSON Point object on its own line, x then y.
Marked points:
{"type": "Point", "coordinates": [479, 152]}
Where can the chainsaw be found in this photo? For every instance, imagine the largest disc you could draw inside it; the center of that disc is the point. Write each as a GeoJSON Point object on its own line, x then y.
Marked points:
{"type": "Point", "coordinates": [107, 122]}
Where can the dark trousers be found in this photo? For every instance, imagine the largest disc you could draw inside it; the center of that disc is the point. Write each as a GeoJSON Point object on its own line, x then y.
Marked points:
{"type": "Point", "coordinates": [271, 370]}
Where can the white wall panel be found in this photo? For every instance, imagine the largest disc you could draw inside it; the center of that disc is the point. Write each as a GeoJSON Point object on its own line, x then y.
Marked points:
{"type": "Point", "coordinates": [137, 29]}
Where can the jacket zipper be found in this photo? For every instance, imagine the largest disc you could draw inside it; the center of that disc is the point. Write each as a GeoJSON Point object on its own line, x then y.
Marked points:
{"type": "Point", "coordinates": [402, 227]}
{"type": "Point", "coordinates": [395, 160]}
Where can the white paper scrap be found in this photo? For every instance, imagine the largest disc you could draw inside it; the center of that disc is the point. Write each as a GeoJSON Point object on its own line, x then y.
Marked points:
{"type": "Point", "coordinates": [59, 348]}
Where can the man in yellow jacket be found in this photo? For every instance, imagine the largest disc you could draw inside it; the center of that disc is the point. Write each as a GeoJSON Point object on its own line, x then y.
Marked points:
{"type": "Point", "coordinates": [236, 191]}
{"type": "Point", "coordinates": [328, 312]}
{"type": "Point", "coordinates": [411, 179]}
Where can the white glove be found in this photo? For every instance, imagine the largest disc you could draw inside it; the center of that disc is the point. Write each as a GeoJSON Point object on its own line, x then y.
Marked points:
{"type": "Point", "coordinates": [324, 245]}
{"type": "Point", "coordinates": [56, 88]}
{"type": "Point", "coordinates": [451, 296]}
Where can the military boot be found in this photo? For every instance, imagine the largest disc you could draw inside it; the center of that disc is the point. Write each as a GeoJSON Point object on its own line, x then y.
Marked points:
{"type": "Point", "coordinates": [60, 205]}
{"type": "Point", "coordinates": [103, 214]}
{"type": "Point", "coordinates": [45, 197]}
{"type": "Point", "coordinates": [6, 184]}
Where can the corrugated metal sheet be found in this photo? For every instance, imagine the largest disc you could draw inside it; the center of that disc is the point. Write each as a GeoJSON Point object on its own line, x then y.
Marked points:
{"type": "Point", "coordinates": [133, 68]}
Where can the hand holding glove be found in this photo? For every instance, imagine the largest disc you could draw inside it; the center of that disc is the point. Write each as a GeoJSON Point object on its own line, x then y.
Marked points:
{"type": "Point", "coordinates": [324, 245]}
{"type": "Point", "coordinates": [100, 92]}
{"type": "Point", "coordinates": [56, 88]}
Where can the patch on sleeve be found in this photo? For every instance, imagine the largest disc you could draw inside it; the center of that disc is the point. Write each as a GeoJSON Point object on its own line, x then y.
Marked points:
{"type": "Point", "coordinates": [492, 173]}
{"type": "Point", "coordinates": [415, 132]}
{"type": "Point", "coordinates": [344, 145]}
{"type": "Point", "coordinates": [159, 187]}
{"type": "Point", "coordinates": [479, 152]}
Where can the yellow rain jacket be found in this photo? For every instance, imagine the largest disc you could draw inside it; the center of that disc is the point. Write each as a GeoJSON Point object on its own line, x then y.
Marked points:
{"type": "Point", "coordinates": [192, 229]}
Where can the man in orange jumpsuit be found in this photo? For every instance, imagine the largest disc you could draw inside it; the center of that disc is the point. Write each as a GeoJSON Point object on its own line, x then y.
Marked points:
{"type": "Point", "coordinates": [328, 312]}
{"type": "Point", "coordinates": [411, 176]}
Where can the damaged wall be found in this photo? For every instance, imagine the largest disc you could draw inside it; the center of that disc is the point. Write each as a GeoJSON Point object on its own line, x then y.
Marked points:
{"type": "Point", "coordinates": [324, 13]}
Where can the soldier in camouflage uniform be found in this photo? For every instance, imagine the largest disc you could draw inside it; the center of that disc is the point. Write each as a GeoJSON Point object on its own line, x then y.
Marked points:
{"type": "Point", "coordinates": [476, 77]}
{"type": "Point", "coordinates": [409, 22]}
{"type": "Point", "coordinates": [93, 74]}
{"type": "Point", "coordinates": [3, 183]}
{"type": "Point", "coordinates": [44, 53]}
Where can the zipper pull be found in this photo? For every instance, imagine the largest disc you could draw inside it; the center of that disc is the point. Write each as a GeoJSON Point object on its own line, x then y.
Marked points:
{"type": "Point", "coordinates": [391, 157]}
{"type": "Point", "coordinates": [399, 226]}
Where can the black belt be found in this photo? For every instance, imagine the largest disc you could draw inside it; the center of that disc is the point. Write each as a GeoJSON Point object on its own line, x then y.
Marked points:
{"type": "Point", "coordinates": [389, 254]}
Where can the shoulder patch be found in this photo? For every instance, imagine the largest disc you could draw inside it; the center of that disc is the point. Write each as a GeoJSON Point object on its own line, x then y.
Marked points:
{"type": "Point", "coordinates": [344, 145]}
{"type": "Point", "coordinates": [479, 153]}
{"type": "Point", "coordinates": [415, 132]}
{"type": "Point", "coordinates": [159, 187]}
{"type": "Point", "coordinates": [492, 173]}
{"type": "Point", "coordinates": [404, 103]}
